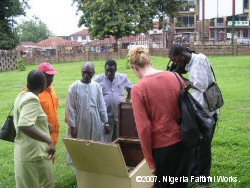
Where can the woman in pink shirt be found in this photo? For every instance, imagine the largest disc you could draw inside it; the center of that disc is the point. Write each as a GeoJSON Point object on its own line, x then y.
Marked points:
{"type": "Point", "coordinates": [157, 114]}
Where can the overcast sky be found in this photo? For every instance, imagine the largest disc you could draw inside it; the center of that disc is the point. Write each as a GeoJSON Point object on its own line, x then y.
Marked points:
{"type": "Point", "coordinates": [59, 16]}
{"type": "Point", "coordinates": [223, 9]}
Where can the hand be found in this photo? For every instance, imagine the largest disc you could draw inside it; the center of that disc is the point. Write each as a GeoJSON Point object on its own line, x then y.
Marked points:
{"type": "Point", "coordinates": [153, 171]}
{"type": "Point", "coordinates": [54, 159]}
{"type": "Point", "coordinates": [187, 82]}
{"type": "Point", "coordinates": [127, 99]}
{"type": "Point", "coordinates": [107, 128]}
{"type": "Point", "coordinates": [50, 128]}
{"type": "Point", "coordinates": [51, 150]}
{"type": "Point", "coordinates": [73, 132]}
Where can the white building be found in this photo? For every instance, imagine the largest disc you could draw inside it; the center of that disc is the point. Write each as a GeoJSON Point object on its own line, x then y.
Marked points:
{"type": "Point", "coordinates": [81, 36]}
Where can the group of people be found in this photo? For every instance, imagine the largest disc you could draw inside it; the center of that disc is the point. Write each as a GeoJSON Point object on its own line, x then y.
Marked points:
{"type": "Point", "coordinates": [92, 113]}
{"type": "Point", "coordinates": [157, 114]}
{"type": "Point", "coordinates": [94, 103]}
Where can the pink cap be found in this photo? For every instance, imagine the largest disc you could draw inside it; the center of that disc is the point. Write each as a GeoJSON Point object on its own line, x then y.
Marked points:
{"type": "Point", "coordinates": [47, 68]}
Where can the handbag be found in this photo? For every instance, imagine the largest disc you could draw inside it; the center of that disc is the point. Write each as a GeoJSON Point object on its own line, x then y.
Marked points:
{"type": "Point", "coordinates": [8, 131]}
{"type": "Point", "coordinates": [213, 96]}
{"type": "Point", "coordinates": [196, 123]}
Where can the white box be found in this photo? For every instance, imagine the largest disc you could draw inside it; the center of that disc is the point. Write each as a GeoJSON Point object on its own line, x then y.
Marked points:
{"type": "Point", "coordinates": [111, 165]}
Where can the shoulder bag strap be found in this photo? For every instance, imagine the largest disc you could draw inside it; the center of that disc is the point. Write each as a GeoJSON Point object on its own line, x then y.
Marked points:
{"type": "Point", "coordinates": [213, 72]}
{"type": "Point", "coordinates": [178, 80]}
{"type": "Point", "coordinates": [181, 83]}
{"type": "Point", "coordinates": [11, 110]}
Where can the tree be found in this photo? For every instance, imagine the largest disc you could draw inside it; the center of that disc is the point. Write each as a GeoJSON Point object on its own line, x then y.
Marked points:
{"type": "Point", "coordinates": [9, 9]}
{"type": "Point", "coordinates": [115, 18]}
{"type": "Point", "coordinates": [165, 8]}
{"type": "Point", "coordinates": [33, 30]}
{"type": "Point", "coordinates": [120, 18]}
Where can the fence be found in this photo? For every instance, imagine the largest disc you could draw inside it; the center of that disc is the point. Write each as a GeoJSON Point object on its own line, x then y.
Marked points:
{"type": "Point", "coordinates": [8, 60]}
{"type": "Point", "coordinates": [107, 48]}
{"type": "Point", "coordinates": [88, 55]}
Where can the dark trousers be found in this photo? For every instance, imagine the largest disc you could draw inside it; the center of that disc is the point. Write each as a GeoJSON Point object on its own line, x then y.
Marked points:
{"type": "Point", "coordinates": [113, 130]}
{"type": "Point", "coordinates": [202, 161]}
{"type": "Point", "coordinates": [114, 133]}
{"type": "Point", "coordinates": [173, 161]}
{"type": "Point", "coordinates": [115, 136]}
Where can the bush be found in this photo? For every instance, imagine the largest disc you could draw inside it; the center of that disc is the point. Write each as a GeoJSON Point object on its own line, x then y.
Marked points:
{"type": "Point", "coordinates": [127, 63]}
{"type": "Point", "coordinates": [21, 64]}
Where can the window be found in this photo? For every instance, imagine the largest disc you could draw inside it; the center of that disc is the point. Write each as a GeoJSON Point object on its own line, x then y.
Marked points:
{"type": "Point", "coordinates": [220, 20]}
{"type": "Point", "coordinates": [75, 38]}
{"type": "Point", "coordinates": [185, 21]}
{"type": "Point", "coordinates": [212, 33]}
{"type": "Point", "coordinates": [238, 34]}
{"type": "Point", "coordinates": [245, 4]}
{"type": "Point", "coordinates": [245, 33]}
{"type": "Point", "coordinates": [242, 17]}
{"type": "Point", "coordinates": [84, 37]}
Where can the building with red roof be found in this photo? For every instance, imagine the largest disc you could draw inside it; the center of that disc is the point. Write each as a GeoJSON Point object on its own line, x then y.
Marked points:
{"type": "Point", "coordinates": [53, 42]}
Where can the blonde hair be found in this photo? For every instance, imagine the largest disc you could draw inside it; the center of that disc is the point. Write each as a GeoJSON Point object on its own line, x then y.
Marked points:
{"type": "Point", "coordinates": [139, 56]}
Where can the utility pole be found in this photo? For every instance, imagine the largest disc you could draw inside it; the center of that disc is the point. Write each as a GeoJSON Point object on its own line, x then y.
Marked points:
{"type": "Point", "coordinates": [163, 30]}
{"type": "Point", "coordinates": [217, 22]}
{"type": "Point", "coordinates": [203, 18]}
{"type": "Point", "coordinates": [233, 21]}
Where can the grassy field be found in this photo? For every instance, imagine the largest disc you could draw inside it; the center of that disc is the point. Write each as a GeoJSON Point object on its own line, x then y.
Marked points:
{"type": "Point", "coordinates": [231, 145]}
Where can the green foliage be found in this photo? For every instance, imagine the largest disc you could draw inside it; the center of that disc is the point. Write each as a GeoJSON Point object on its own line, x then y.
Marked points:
{"type": "Point", "coordinates": [119, 18]}
{"type": "Point", "coordinates": [127, 66]}
{"type": "Point", "coordinates": [9, 9]}
{"type": "Point", "coordinates": [115, 18]}
{"type": "Point", "coordinates": [33, 30]}
{"type": "Point", "coordinates": [169, 7]}
{"type": "Point", "coordinates": [21, 64]}
{"type": "Point", "coordinates": [231, 140]}
{"type": "Point", "coordinates": [8, 36]}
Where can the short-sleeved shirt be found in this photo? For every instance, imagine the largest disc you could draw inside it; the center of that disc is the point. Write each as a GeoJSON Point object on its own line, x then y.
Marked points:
{"type": "Point", "coordinates": [50, 104]}
{"type": "Point", "coordinates": [201, 76]}
{"type": "Point", "coordinates": [114, 92]}
{"type": "Point", "coordinates": [28, 112]}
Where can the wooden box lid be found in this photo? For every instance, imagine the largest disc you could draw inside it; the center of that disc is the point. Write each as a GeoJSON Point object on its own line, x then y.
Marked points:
{"type": "Point", "coordinates": [126, 121]}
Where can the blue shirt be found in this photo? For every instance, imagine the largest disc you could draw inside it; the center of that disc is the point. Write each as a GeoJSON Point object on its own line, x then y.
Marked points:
{"type": "Point", "coordinates": [114, 92]}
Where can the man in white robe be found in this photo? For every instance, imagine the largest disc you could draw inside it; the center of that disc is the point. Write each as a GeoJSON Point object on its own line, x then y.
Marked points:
{"type": "Point", "coordinates": [86, 113]}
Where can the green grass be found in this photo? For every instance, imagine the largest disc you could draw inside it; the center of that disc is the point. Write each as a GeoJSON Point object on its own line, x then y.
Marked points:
{"type": "Point", "coordinates": [231, 146]}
